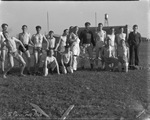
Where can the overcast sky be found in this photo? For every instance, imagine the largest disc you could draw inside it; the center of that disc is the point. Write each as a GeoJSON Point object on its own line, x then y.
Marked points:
{"type": "Point", "coordinates": [63, 14]}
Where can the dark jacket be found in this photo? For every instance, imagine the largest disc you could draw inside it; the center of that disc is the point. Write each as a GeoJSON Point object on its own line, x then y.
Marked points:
{"type": "Point", "coordinates": [86, 37]}
{"type": "Point", "coordinates": [134, 39]}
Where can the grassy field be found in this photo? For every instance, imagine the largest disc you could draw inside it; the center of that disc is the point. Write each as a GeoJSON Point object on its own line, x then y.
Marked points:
{"type": "Point", "coordinates": [95, 94]}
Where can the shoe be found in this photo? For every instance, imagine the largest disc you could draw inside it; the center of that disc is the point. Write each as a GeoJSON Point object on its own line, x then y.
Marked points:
{"type": "Point", "coordinates": [82, 67]}
{"type": "Point", "coordinates": [22, 75]}
{"type": "Point", "coordinates": [91, 66]}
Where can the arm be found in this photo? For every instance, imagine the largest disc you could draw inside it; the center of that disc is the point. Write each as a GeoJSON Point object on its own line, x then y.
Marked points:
{"type": "Point", "coordinates": [2, 45]}
{"type": "Point", "coordinates": [140, 38]}
{"type": "Point", "coordinates": [129, 39]}
{"type": "Point", "coordinates": [128, 53]}
{"type": "Point", "coordinates": [30, 41]}
{"type": "Point", "coordinates": [116, 41]}
{"type": "Point", "coordinates": [57, 45]}
{"type": "Point", "coordinates": [71, 60]}
{"type": "Point", "coordinates": [18, 41]}
{"type": "Point", "coordinates": [46, 42]}
{"type": "Point", "coordinates": [57, 66]}
{"type": "Point", "coordinates": [62, 61]}
{"type": "Point", "coordinates": [92, 39]}
{"type": "Point", "coordinates": [81, 38]}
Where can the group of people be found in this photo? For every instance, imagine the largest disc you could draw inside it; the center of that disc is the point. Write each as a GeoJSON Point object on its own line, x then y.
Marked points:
{"type": "Point", "coordinates": [113, 50]}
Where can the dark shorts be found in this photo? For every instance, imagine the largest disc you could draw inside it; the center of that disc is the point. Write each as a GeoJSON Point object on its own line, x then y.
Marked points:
{"type": "Point", "coordinates": [48, 51]}
{"type": "Point", "coordinates": [21, 48]}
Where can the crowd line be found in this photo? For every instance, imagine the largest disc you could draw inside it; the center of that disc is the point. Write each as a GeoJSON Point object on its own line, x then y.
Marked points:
{"type": "Point", "coordinates": [114, 51]}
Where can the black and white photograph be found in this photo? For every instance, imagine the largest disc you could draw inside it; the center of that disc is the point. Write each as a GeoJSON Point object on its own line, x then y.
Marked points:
{"type": "Point", "coordinates": [75, 60]}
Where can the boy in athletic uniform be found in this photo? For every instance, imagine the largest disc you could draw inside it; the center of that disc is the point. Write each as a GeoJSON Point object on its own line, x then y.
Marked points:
{"type": "Point", "coordinates": [123, 56]}
{"type": "Point", "coordinates": [112, 40]}
{"type": "Point", "coordinates": [37, 40]}
{"type": "Point", "coordinates": [51, 41]}
{"type": "Point", "coordinates": [50, 62]}
{"type": "Point", "coordinates": [10, 43]}
{"type": "Point", "coordinates": [107, 56]}
{"type": "Point", "coordinates": [100, 37]}
{"type": "Point", "coordinates": [75, 48]}
{"type": "Point", "coordinates": [70, 36]}
{"type": "Point", "coordinates": [87, 42]}
{"type": "Point", "coordinates": [3, 50]}
{"type": "Point", "coordinates": [66, 60]}
{"type": "Point", "coordinates": [120, 36]}
{"type": "Point", "coordinates": [25, 38]}
{"type": "Point", "coordinates": [60, 46]}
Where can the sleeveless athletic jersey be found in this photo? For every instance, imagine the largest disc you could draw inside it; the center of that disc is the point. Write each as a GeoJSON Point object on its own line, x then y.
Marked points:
{"type": "Point", "coordinates": [120, 37]}
{"type": "Point", "coordinates": [51, 42]}
{"type": "Point", "coordinates": [112, 39]}
{"type": "Point", "coordinates": [100, 36]}
{"type": "Point", "coordinates": [63, 40]}
{"type": "Point", "coordinates": [38, 40]}
{"type": "Point", "coordinates": [24, 38]}
{"type": "Point", "coordinates": [2, 38]}
{"type": "Point", "coordinates": [75, 48]}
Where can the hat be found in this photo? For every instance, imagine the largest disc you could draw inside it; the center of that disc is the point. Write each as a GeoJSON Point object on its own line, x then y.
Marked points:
{"type": "Point", "coordinates": [87, 23]}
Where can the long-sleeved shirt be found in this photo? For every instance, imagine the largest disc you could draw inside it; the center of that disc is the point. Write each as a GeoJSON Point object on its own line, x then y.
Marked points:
{"type": "Point", "coordinates": [86, 37]}
{"type": "Point", "coordinates": [134, 39]}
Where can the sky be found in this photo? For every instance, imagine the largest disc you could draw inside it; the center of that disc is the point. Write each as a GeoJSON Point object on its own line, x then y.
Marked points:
{"type": "Point", "coordinates": [63, 14]}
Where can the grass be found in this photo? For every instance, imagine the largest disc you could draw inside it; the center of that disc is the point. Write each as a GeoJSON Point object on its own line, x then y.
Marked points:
{"type": "Point", "coordinates": [95, 94]}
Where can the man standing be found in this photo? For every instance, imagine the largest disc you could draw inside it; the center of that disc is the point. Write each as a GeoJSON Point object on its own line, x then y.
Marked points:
{"type": "Point", "coordinates": [100, 37]}
{"type": "Point", "coordinates": [25, 38]}
{"type": "Point", "coordinates": [120, 36]}
{"type": "Point", "coordinates": [134, 41]}
{"type": "Point", "coordinates": [37, 40]}
{"type": "Point", "coordinates": [3, 50]}
{"type": "Point", "coordinates": [87, 41]}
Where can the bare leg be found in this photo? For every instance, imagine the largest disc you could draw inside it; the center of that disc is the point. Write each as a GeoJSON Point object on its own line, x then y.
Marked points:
{"type": "Point", "coordinates": [97, 56]}
{"type": "Point", "coordinates": [45, 70]}
{"type": "Point", "coordinates": [21, 55]}
{"type": "Point", "coordinates": [27, 54]}
{"type": "Point", "coordinates": [57, 66]}
{"type": "Point", "coordinates": [75, 63]}
{"type": "Point", "coordinates": [39, 60]}
{"type": "Point", "coordinates": [35, 60]}
{"type": "Point", "coordinates": [3, 60]}
{"type": "Point", "coordinates": [11, 62]}
{"type": "Point", "coordinates": [20, 59]}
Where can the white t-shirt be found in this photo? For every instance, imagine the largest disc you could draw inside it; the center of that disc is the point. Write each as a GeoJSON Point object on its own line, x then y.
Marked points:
{"type": "Point", "coordinates": [119, 37]}
{"type": "Point", "coordinates": [100, 37]}
{"type": "Point", "coordinates": [24, 38]}
{"type": "Point", "coordinates": [63, 40]}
